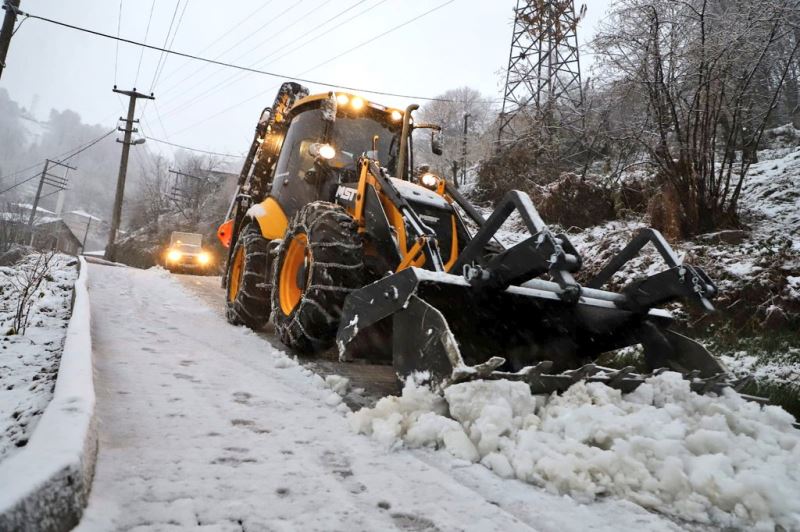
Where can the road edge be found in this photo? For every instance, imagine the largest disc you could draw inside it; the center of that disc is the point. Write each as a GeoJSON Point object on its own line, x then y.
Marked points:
{"type": "Point", "coordinates": [46, 485]}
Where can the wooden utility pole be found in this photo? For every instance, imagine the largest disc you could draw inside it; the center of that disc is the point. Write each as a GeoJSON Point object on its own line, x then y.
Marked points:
{"type": "Point", "coordinates": [7, 30]}
{"type": "Point", "coordinates": [116, 214]}
{"type": "Point", "coordinates": [49, 179]}
{"type": "Point", "coordinates": [464, 150]}
{"type": "Point", "coordinates": [86, 234]}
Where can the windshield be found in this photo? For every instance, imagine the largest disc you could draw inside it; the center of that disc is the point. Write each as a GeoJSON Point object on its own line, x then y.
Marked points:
{"type": "Point", "coordinates": [352, 137]}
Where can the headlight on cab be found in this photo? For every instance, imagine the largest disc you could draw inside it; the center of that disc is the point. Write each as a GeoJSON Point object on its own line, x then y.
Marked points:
{"type": "Point", "coordinates": [174, 255]}
{"type": "Point", "coordinates": [324, 151]}
{"type": "Point", "coordinates": [429, 180]}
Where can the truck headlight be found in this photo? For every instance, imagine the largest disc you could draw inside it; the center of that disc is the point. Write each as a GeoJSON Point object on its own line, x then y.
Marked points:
{"type": "Point", "coordinates": [174, 255]}
{"type": "Point", "coordinates": [204, 258]}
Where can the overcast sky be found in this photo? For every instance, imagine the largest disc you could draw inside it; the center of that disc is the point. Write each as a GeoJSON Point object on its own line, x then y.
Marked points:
{"type": "Point", "coordinates": [465, 42]}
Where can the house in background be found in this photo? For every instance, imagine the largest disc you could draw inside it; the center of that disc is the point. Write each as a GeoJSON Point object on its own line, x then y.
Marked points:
{"type": "Point", "coordinates": [54, 233]}
{"type": "Point", "coordinates": [49, 232]}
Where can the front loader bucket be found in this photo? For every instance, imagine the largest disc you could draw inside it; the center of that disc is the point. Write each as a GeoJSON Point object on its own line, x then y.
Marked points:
{"type": "Point", "coordinates": [438, 323]}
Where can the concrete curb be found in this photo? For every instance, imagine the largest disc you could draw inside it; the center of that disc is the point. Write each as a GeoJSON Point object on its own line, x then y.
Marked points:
{"type": "Point", "coordinates": [45, 486]}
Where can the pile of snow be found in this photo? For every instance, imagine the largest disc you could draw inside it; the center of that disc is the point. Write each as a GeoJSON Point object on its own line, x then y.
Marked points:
{"type": "Point", "coordinates": [720, 461]}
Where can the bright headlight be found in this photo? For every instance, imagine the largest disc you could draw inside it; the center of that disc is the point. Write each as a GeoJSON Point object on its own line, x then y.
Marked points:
{"type": "Point", "coordinates": [326, 151]}
{"type": "Point", "coordinates": [204, 258]}
{"type": "Point", "coordinates": [396, 115]}
{"type": "Point", "coordinates": [429, 180]}
{"type": "Point", "coordinates": [342, 99]}
{"type": "Point", "coordinates": [357, 103]}
{"type": "Point", "coordinates": [174, 255]}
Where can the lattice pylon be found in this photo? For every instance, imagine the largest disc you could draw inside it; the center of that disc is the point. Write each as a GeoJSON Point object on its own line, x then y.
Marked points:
{"type": "Point", "coordinates": [544, 73]}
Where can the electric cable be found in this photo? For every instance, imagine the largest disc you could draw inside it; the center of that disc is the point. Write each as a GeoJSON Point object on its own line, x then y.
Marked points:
{"type": "Point", "coordinates": [166, 40]}
{"type": "Point", "coordinates": [225, 34]}
{"type": "Point", "coordinates": [180, 83]}
{"type": "Point", "coordinates": [61, 159]}
{"type": "Point", "coordinates": [240, 74]}
{"type": "Point", "coordinates": [253, 70]}
{"type": "Point", "coordinates": [364, 43]}
{"type": "Point", "coordinates": [228, 82]}
{"type": "Point", "coordinates": [171, 42]}
{"type": "Point", "coordinates": [146, 32]}
{"type": "Point", "coordinates": [116, 53]}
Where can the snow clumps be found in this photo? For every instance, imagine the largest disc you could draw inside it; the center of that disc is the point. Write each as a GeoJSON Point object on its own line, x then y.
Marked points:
{"type": "Point", "coordinates": [720, 461]}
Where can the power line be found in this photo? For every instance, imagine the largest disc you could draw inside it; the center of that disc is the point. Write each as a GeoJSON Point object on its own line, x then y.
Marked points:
{"type": "Point", "coordinates": [253, 70]}
{"type": "Point", "coordinates": [227, 82]}
{"type": "Point", "coordinates": [166, 40]}
{"type": "Point", "coordinates": [225, 34]}
{"type": "Point", "coordinates": [146, 32]}
{"type": "Point", "coordinates": [78, 150]}
{"type": "Point", "coordinates": [237, 43]}
{"type": "Point", "coordinates": [116, 53]}
{"type": "Point", "coordinates": [171, 42]}
{"type": "Point", "coordinates": [12, 187]}
{"type": "Point", "coordinates": [365, 43]}
{"type": "Point", "coordinates": [190, 148]}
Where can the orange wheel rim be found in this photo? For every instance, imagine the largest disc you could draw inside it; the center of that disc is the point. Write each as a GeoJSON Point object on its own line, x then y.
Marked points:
{"type": "Point", "coordinates": [296, 262]}
{"type": "Point", "coordinates": [237, 272]}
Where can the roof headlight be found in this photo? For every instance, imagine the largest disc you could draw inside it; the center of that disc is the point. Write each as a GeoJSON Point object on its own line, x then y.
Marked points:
{"type": "Point", "coordinates": [357, 103]}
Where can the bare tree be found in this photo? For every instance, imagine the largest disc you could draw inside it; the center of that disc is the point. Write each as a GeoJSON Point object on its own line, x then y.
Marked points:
{"type": "Point", "coordinates": [702, 78]}
{"type": "Point", "coordinates": [25, 284]}
{"type": "Point", "coordinates": [448, 111]}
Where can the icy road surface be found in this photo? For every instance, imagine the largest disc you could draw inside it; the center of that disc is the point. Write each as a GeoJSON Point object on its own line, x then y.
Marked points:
{"type": "Point", "coordinates": [207, 426]}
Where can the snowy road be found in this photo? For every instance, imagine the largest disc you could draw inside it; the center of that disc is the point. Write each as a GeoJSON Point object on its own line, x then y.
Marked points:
{"type": "Point", "coordinates": [207, 426]}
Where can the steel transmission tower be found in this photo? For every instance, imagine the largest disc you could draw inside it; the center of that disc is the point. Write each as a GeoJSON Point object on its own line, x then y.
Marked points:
{"type": "Point", "coordinates": [544, 71]}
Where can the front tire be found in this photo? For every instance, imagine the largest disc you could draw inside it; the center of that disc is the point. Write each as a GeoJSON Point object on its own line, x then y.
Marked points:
{"type": "Point", "coordinates": [318, 263]}
{"type": "Point", "coordinates": [247, 287]}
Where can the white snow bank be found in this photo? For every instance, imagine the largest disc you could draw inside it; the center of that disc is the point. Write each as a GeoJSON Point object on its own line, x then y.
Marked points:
{"type": "Point", "coordinates": [47, 482]}
{"type": "Point", "coordinates": [720, 461]}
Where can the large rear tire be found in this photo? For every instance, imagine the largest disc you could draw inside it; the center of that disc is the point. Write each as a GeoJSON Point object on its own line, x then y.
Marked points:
{"type": "Point", "coordinates": [318, 263]}
{"type": "Point", "coordinates": [247, 282]}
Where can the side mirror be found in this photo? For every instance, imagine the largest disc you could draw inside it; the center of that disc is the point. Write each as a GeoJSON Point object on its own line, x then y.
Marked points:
{"type": "Point", "coordinates": [436, 143]}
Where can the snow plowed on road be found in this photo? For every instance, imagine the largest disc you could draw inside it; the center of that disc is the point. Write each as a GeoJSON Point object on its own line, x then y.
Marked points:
{"type": "Point", "coordinates": [719, 461]}
{"type": "Point", "coordinates": [207, 426]}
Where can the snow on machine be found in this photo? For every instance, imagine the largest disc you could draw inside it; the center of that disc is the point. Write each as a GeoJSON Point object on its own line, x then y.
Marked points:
{"type": "Point", "coordinates": [185, 254]}
{"type": "Point", "coordinates": [333, 234]}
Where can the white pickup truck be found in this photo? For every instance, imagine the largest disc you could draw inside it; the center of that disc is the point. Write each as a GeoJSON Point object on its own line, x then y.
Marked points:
{"type": "Point", "coordinates": [185, 254]}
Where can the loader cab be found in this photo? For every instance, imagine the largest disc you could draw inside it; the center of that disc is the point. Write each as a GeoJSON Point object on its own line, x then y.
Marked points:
{"type": "Point", "coordinates": [359, 128]}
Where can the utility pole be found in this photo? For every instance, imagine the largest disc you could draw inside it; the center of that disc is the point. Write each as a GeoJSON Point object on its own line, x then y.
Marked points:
{"type": "Point", "coordinates": [7, 30]}
{"type": "Point", "coordinates": [46, 179]}
{"type": "Point", "coordinates": [116, 214]}
{"type": "Point", "coordinates": [464, 151]}
{"type": "Point", "coordinates": [85, 234]}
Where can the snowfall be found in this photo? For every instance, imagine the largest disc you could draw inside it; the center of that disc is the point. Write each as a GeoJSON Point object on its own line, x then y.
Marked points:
{"type": "Point", "coordinates": [203, 425]}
